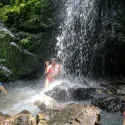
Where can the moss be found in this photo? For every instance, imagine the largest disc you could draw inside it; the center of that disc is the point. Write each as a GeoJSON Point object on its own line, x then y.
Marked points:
{"type": "Point", "coordinates": [2, 74]}
{"type": "Point", "coordinates": [6, 10]}
{"type": "Point", "coordinates": [30, 21]}
{"type": "Point", "coordinates": [30, 15]}
{"type": "Point", "coordinates": [25, 41]}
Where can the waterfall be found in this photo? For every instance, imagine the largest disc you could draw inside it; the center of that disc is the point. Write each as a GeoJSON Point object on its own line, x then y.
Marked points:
{"type": "Point", "coordinates": [74, 43]}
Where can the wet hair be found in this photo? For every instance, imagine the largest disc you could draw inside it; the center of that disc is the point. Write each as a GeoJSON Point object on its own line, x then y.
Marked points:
{"type": "Point", "coordinates": [54, 59]}
{"type": "Point", "coordinates": [48, 62]}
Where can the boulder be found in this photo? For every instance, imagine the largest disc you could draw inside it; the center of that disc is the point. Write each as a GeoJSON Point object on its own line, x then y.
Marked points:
{"type": "Point", "coordinates": [110, 104]}
{"type": "Point", "coordinates": [23, 118]}
{"type": "Point", "coordinates": [121, 90]}
{"type": "Point", "coordinates": [46, 102]}
{"type": "Point", "coordinates": [41, 119]}
{"type": "Point", "coordinates": [76, 114]}
{"type": "Point", "coordinates": [64, 92]}
{"type": "Point", "coordinates": [3, 117]}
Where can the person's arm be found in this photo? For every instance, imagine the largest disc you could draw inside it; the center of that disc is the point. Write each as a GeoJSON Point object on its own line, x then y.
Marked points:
{"type": "Point", "coordinates": [47, 68]}
{"type": "Point", "coordinates": [5, 91]}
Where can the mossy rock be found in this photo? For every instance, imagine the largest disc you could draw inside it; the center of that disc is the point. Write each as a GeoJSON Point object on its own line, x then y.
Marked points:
{"type": "Point", "coordinates": [15, 61]}
{"type": "Point", "coordinates": [24, 52]}
{"type": "Point", "coordinates": [5, 37]}
{"type": "Point", "coordinates": [30, 15]}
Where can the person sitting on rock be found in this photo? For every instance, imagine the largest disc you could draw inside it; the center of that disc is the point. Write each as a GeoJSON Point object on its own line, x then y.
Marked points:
{"type": "Point", "coordinates": [3, 89]}
{"type": "Point", "coordinates": [52, 71]}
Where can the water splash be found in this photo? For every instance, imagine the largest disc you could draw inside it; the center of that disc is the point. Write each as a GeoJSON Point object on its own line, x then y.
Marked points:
{"type": "Point", "coordinates": [75, 39]}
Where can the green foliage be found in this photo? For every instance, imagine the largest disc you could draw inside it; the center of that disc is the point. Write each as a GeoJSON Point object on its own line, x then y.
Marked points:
{"type": "Point", "coordinates": [13, 8]}
{"type": "Point", "coordinates": [33, 15]}
{"type": "Point", "coordinates": [25, 41]}
{"type": "Point", "coordinates": [99, 91]}
{"type": "Point", "coordinates": [2, 76]}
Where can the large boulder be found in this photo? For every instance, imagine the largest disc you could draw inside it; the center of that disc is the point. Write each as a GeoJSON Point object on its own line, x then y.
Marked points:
{"type": "Point", "coordinates": [15, 61]}
{"type": "Point", "coordinates": [23, 118]}
{"type": "Point", "coordinates": [65, 92]}
{"type": "Point", "coordinates": [76, 114]}
{"type": "Point", "coordinates": [110, 104]}
{"type": "Point", "coordinates": [46, 102]}
{"type": "Point", "coordinates": [5, 37]}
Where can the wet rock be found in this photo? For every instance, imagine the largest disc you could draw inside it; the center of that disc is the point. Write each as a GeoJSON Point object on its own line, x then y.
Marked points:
{"type": "Point", "coordinates": [124, 114]}
{"type": "Point", "coordinates": [121, 90]}
{"type": "Point", "coordinates": [41, 119]}
{"type": "Point", "coordinates": [76, 93]}
{"type": "Point", "coordinates": [120, 80]}
{"type": "Point", "coordinates": [76, 114]}
{"type": "Point", "coordinates": [110, 104]}
{"type": "Point", "coordinates": [25, 22]}
{"type": "Point", "coordinates": [23, 118]}
{"type": "Point", "coordinates": [46, 102]}
{"type": "Point", "coordinates": [3, 117]}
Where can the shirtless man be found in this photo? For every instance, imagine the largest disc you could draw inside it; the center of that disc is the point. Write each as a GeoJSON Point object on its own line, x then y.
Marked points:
{"type": "Point", "coordinates": [51, 72]}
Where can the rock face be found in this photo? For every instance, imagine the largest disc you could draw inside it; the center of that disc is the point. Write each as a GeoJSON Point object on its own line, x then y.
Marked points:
{"type": "Point", "coordinates": [121, 90]}
{"type": "Point", "coordinates": [15, 60]}
{"type": "Point", "coordinates": [25, 32]}
{"type": "Point", "coordinates": [70, 114]}
{"type": "Point", "coordinates": [110, 39]}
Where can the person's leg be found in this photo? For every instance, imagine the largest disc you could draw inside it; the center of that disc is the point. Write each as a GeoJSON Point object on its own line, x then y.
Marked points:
{"type": "Point", "coordinates": [3, 90]}
{"type": "Point", "coordinates": [124, 121]}
{"type": "Point", "coordinates": [46, 82]}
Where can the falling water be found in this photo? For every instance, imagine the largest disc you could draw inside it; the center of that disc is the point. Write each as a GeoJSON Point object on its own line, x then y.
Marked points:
{"type": "Point", "coordinates": [75, 39]}
{"type": "Point", "coordinates": [77, 44]}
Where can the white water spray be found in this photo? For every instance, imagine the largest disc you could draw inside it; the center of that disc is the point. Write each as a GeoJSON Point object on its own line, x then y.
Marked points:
{"type": "Point", "coordinates": [76, 31]}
